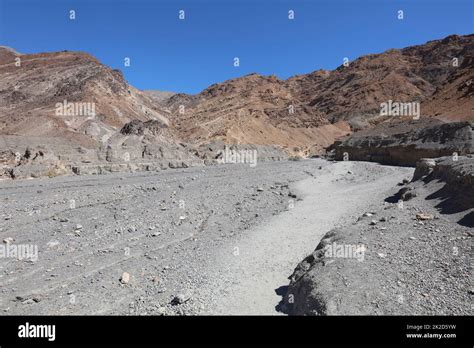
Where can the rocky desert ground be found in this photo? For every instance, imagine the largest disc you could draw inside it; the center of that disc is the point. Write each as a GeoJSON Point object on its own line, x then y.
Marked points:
{"type": "Point", "coordinates": [255, 196]}
{"type": "Point", "coordinates": [225, 240]}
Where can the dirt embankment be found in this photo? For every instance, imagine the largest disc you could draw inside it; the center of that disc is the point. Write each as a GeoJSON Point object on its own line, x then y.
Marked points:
{"type": "Point", "coordinates": [407, 255]}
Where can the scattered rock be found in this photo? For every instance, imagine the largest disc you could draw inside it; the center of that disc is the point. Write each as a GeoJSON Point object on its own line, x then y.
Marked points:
{"type": "Point", "coordinates": [125, 279]}
{"type": "Point", "coordinates": [52, 244]}
{"type": "Point", "coordinates": [161, 311]}
{"type": "Point", "coordinates": [424, 216]}
{"type": "Point", "coordinates": [181, 298]}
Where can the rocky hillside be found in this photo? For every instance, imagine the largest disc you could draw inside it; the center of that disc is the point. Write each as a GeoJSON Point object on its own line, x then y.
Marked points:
{"type": "Point", "coordinates": [307, 112]}
{"type": "Point", "coordinates": [253, 109]}
{"type": "Point", "coordinates": [31, 85]}
{"type": "Point", "coordinates": [159, 97]}
{"type": "Point", "coordinates": [71, 107]}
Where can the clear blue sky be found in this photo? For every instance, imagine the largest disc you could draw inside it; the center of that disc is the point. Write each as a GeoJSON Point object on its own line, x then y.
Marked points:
{"type": "Point", "coordinates": [186, 56]}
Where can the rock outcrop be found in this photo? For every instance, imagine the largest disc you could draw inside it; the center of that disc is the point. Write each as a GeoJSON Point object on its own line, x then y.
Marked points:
{"type": "Point", "coordinates": [404, 143]}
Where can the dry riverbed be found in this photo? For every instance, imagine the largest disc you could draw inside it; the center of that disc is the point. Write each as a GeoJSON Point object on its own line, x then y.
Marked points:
{"type": "Point", "coordinates": [207, 240]}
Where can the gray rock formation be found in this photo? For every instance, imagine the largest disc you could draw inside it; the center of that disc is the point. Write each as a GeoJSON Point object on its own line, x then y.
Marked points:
{"type": "Point", "coordinates": [404, 144]}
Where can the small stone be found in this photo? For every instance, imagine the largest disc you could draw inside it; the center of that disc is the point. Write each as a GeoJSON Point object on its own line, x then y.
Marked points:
{"type": "Point", "coordinates": [383, 219]}
{"type": "Point", "coordinates": [424, 216]}
{"type": "Point", "coordinates": [350, 172]}
{"type": "Point", "coordinates": [8, 240]}
{"type": "Point", "coordinates": [181, 298]}
{"type": "Point", "coordinates": [125, 279]}
{"type": "Point", "coordinates": [52, 244]}
{"type": "Point", "coordinates": [259, 189]}
{"type": "Point", "coordinates": [373, 222]}
{"type": "Point", "coordinates": [367, 214]}
{"type": "Point", "coordinates": [78, 227]}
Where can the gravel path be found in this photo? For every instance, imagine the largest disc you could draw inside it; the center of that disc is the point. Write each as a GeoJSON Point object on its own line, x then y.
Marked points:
{"type": "Point", "coordinates": [185, 241]}
{"type": "Point", "coordinates": [257, 278]}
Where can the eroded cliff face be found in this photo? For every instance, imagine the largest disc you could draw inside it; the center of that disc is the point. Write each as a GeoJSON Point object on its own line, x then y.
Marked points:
{"type": "Point", "coordinates": [404, 143]}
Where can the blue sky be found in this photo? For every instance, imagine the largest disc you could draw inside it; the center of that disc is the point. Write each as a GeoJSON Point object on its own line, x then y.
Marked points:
{"type": "Point", "coordinates": [188, 55]}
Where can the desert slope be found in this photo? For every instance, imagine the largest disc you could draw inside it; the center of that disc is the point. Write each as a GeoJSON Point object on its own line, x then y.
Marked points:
{"type": "Point", "coordinates": [306, 113]}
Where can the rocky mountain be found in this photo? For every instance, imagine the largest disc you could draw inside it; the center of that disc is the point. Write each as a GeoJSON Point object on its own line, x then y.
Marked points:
{"type": "Point", "coordinates": [69, 105]}
{"type": "Point", "coordinates": [32, 85]}
{"type": "Point", "coordinates": [253, 109]}
{"type": "Point", "coordinates": [308, 112]}
{"type": "Point", "coordinates": [159, 96]}
{"type": "Point", "coordinates": [72, 109]}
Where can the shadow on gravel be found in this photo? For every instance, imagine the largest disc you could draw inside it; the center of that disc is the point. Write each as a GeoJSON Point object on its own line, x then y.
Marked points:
{"type": "Point", "coordinates": [453, 201]}
{"type": "Point", "coordinates": [394, 198]}
{"type": "Point", "coordinates": [467, 220]}
{"type": "Point", "coordinates": [281, 291]}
